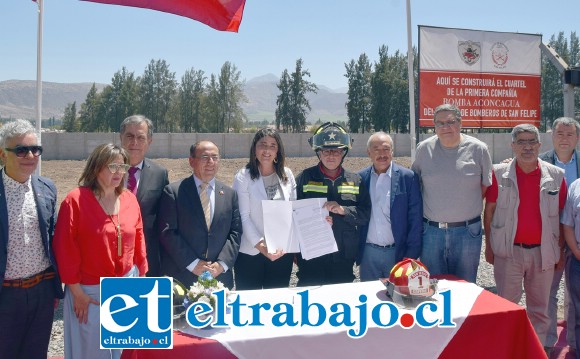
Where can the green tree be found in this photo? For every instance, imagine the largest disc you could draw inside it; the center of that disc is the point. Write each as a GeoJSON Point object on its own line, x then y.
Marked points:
{"type": "Point", "coordinates": [157, 86]}
{"type": "Point", "coordinates": [358, 105]}
{"type": "Point", "coordinates": [191, 96]}
{"type": "Point", "coordinates": [69, 119]}
{"type": "Point", "coordinates": [125, 94]}
{"type": "Point", "coordinates": [88, 115]}
{"type": "Point", "coordinates": [231, 91]}
{"type": "Point", "coordinates": [212, 109]}
{"type": "Point", "coordinates": [283, 113]}
{"type": "Point", "coordinates": [299, 104]}
{"type": "Point", "coordinates": [390, 92]}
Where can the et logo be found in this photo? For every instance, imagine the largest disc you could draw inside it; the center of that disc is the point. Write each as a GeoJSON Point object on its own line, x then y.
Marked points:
{"type": "Point", "coordinates": [136, 313]}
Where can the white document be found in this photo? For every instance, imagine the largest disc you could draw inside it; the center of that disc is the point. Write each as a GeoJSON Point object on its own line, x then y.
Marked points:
{"type": "Point", "coordinates": [311, 229]}
{"type": "Point", "coordinates": [278, 226]}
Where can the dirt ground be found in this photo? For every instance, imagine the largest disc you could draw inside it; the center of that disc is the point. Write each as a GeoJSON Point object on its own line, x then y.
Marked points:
{"type": "Point", "coordinates": [66, 173]}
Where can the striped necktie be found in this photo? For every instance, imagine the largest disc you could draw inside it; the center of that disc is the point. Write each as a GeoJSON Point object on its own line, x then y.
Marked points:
{"type": "Point", "coordinates": [205, 204]}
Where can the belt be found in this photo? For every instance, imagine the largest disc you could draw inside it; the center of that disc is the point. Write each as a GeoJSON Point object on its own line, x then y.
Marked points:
{"type": "Point", "coordinates": [31, 281]}
{"type": "Point", "coordinates": [382, 247]}
{"type": "Point", "coordinates": [452, 224]}
{"type": "Point", "coordinates": [527, 246]}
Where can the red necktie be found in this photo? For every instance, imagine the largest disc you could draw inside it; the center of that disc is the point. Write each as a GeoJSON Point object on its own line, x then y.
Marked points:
{"type": "Point", "coordinates": [132, 180]}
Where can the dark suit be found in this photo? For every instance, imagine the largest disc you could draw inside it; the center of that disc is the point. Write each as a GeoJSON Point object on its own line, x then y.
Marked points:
{"type": "Point", "coordinates": [185, 236]}
{"type": "Point", "coordinates": [27, 312]}
{"type": "Point", "coordinates": [153, 178]}
{"type": "Point", "coordinates": [550, 157]}
{"type": "Point", "coordinates": [406, 212]}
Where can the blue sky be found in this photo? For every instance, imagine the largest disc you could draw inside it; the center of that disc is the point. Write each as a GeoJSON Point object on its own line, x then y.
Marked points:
{"type": "Point", "coordinates": [89, 42]}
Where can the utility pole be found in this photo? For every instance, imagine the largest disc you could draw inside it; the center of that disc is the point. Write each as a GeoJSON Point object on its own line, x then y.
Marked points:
{"type": "Point", "coordinates": [570, 77]}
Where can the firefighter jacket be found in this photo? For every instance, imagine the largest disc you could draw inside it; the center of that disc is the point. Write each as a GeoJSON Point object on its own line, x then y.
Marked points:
{"type": "Point", "coordinates": [349, 192]}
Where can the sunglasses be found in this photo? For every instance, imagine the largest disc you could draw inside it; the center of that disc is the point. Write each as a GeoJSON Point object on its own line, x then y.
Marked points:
{"type": "Point", "coordinates": [116, 167]}
{"type": "Point", "coordinates": [22, 151]}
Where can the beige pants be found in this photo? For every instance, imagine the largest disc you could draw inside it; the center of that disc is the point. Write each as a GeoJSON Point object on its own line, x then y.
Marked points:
{"type": "Point", "coordinates": [525, 265]}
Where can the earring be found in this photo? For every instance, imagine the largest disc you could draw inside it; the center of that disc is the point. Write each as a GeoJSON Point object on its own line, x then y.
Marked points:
{"type": "Point", "coordinates": [276, 160]}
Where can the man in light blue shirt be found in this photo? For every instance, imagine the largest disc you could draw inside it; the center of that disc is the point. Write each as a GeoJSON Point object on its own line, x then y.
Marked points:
{"type": "Point", "coordinates": [565, 134]}
{"type": "Point", "coordinates": [571, 231]}
{"type": "Point", "coordinates": [394, 230]}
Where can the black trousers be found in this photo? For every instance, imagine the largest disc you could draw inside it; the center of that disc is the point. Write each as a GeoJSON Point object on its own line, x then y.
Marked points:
{"type": "Point", "coordinates": [26, 320]}
{"type": "Point", "coordinates": [258, 272]}
{"type": "Point", "coordinates": [326, 269]}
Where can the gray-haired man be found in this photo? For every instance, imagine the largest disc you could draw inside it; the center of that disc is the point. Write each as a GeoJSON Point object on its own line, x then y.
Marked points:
{"type": "Point", "coordinates": [522, 226]}
{"type": "Point", "coordinates": [146, 179]}
{"type": "Point", "coordinates": [28, 273]}
{"type": "Point", "coordinates": [565, 134]}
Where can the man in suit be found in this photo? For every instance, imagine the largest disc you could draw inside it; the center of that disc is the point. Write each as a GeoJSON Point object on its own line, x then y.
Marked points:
{"type": "Point", "coordinates": [394, 230]}
{"type": "Point", "coordinates": [30, 287]}
{"type": "Point", "coordinates": [200, 221]}
{"type": "Point", "coordinates": [146, 179]}
{"type": "Point", "coordinates": [565, 134]}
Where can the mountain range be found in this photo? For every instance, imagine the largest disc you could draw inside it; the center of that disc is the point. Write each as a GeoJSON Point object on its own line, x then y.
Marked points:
{"type": "Point", "coordinates": [18, 99]}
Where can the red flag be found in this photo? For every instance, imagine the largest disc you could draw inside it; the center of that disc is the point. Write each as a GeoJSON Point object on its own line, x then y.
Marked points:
{"type": "Point", "coordinates": [223, 15]}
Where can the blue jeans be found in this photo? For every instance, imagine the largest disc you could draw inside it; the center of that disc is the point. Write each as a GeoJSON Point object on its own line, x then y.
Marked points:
{"type": "Point", "coordinates": [452, 250]}
{"type": "Point", "coordinates": [376, 262]}
{"type": "Point", "coordinates": [574, 276]}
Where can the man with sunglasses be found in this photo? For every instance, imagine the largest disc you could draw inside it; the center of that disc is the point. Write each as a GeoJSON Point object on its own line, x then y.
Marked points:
{"type": "Point", "coordinates": [455, 171]}
{"type": "Point", "coordinates": [347, 200]}
{"type": "Point", "coordinates": [28, 275]}
{"type": "Point", "coordinates": [522, 226]}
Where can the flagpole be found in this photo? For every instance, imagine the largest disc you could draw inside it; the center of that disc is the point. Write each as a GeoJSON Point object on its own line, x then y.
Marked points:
{"type": "Point", "coordinates": [411, 82]}
{"type": "Point", "coordinates": [39, 79]}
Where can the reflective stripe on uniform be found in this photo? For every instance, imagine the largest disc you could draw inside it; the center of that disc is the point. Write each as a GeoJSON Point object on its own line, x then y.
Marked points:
{"type": "Point", "coordinates": [314, 188]}
{"type": "Point", "coordinates": [348, 189]}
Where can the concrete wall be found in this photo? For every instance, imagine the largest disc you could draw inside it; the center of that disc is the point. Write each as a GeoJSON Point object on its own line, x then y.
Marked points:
{"type": "Point", "coordinates": [78, 146]}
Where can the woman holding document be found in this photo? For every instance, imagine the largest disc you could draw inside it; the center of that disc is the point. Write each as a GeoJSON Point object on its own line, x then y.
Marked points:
{"type": "Point", "coordinates": [263, 178]}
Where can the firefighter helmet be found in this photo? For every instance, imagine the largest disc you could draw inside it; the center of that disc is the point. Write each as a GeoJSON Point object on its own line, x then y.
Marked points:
{"type": "Point", "coordinates": [330, 135]}
{"type": "Point", "coordinates": [409, 282]}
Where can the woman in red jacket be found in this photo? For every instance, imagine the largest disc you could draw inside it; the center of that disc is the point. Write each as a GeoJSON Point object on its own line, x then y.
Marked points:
{"type": "Point", "coordinates": [99, 233]}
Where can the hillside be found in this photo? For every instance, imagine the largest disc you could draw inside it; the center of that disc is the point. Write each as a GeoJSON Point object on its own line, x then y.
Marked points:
{"type": "Point", "coordinates": [18, 99]}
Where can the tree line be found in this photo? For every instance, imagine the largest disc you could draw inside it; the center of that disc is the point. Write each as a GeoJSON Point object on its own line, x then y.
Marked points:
{"type": "Point", "coordinates": [196, 104]}
{"type": "Point", "coordinates": [377, 96]}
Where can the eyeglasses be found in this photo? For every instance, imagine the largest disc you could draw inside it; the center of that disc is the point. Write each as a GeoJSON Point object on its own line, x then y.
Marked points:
{"type": "Point", "coordinates": [523, 143]}
{"type": "Point", "coordinates": [118, 167]}
{"type": "Point", "coordinates": [206, 158]}
{"type": "Point", "coordinates": [333, 152]}
{"type": "Point", "coordinates": [445, 124]}
{"type": "Point", "coordinates": [22, 151]}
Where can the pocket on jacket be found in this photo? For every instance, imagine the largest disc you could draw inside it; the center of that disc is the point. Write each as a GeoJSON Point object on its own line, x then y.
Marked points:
{"type": "Point", "coordinates": [499, 241]}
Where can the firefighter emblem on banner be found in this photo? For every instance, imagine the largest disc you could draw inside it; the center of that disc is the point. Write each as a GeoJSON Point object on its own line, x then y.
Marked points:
{"type": "Point", "coordinates": [469, 51]}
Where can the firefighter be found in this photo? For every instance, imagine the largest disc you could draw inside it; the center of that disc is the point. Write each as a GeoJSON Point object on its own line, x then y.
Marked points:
{"type": "Point", "coordinates": [348, 202]}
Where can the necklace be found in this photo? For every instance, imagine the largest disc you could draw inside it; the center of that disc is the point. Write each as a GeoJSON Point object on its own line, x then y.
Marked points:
{"type": "Point", "coordinates": [116, 225]}
{"type": "Point", "coordinates": [118, 230]}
